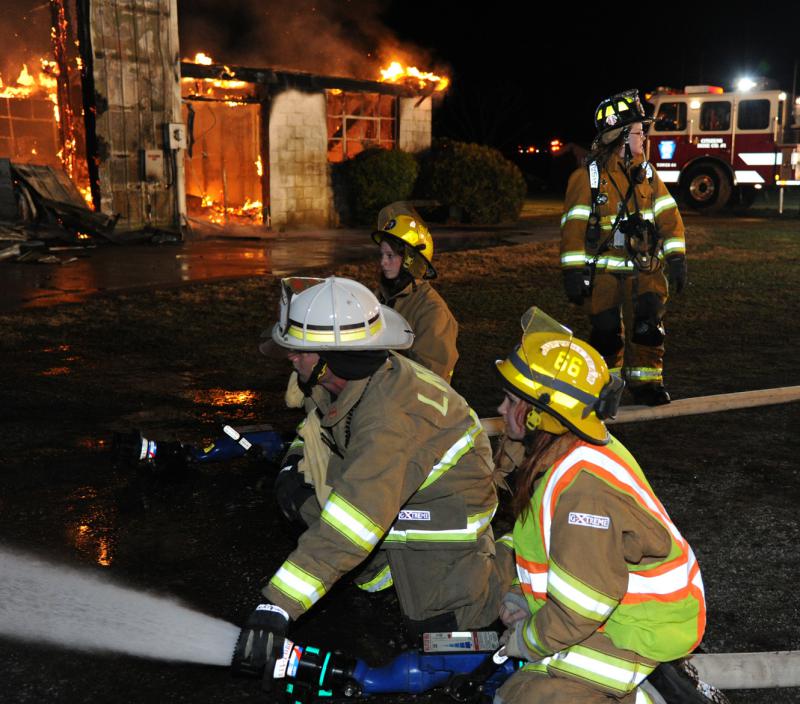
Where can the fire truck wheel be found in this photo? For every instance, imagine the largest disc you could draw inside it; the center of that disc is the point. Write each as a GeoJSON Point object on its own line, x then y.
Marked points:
{"type": "Point", "coordinates": [707, 188]}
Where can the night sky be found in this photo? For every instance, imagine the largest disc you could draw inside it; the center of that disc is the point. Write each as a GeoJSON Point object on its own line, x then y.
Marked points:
{"type": "Point", "coordinates": [521, 73]}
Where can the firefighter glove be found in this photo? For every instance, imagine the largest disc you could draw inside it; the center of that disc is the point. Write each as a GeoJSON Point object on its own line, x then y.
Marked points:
{"type": "Point", "coordinates": [260, 642]}
{"type": "Point", "coordinates": [575, 286]}
{"type": "Point", "coordinates": [514, 608]}
{"type": "Point", "coordinates": [291, 489]}
{"type": "Point", "coordinates": [677, 273]}
{"type": "Point", "coordinates": [514, 643]}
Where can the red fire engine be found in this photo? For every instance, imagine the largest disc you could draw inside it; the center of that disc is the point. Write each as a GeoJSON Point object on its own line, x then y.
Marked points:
{"type": "Point", "coordinates": [717, 148]}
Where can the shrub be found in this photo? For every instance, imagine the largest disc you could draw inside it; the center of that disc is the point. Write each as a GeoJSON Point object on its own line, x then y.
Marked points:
{"type": "Point", "coordinates": [375, 178]}
{"type": "Point", "coordinates": [477, 180]}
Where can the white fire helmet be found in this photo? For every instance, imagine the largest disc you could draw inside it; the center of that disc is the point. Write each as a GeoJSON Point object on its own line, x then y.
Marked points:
{"type": "Point", "coordinates": [336, 314]}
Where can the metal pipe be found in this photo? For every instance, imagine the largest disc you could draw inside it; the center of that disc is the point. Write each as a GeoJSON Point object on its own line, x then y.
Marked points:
{"type": "Point", "coordinates": [686, 406]}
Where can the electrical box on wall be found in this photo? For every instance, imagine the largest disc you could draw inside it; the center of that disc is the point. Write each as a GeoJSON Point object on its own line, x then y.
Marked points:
{"type": "Point", "coordinates": [152, 165]}
{"type": "Point", "coordinates": [176, 135]}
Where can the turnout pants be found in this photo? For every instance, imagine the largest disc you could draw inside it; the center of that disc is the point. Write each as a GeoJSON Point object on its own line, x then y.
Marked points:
{"type": "Point", "coordinates": [535, 688]}
{"type": "Point", "coordinates": [647, 293]}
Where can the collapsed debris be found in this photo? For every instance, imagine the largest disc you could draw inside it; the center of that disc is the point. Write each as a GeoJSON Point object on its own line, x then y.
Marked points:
{"type": "Point", "coordinates": [39, 208]}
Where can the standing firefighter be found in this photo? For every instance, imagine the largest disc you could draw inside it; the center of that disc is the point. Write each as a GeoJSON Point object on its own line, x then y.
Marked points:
{"type": "Point", "coordinates": [406, 248]}
{"type": "Point", "coordinates": [607, 588]}
{"type": "Point", "coordinates": [619, 231]}
{"type": "Point", "coordinates": [407, 482]}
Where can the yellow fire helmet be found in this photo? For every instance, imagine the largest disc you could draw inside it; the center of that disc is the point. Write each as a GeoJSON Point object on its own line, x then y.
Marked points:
{"type": "Point", "coordinates": [613, 114]}
{"type": "Point", "coordinates": [565, 379]}
{"type": "Point", "coordinates": [336, 314]}
{"type": "Point", "coordinates": [400, 222]}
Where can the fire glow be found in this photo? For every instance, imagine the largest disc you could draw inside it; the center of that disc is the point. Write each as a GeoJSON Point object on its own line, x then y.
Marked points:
{"type": "Point", "coordinates": [397, 73]}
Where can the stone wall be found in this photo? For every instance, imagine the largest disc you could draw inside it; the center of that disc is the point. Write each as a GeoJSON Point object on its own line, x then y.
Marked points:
{"type": "Point", "coordinates": [415, 125]}
{"type": "Point", "coordinates": [299, 181]}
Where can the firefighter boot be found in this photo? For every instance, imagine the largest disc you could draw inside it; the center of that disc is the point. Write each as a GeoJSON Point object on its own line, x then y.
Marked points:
{"type": "Point", "coordinates": [650, 394]}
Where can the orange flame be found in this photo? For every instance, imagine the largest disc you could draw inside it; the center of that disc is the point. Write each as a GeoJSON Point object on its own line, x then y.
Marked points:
{"type": "Point", "coordinates": [397, 73]}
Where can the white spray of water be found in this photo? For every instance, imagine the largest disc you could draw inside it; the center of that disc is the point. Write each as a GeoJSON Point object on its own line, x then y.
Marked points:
{"type": "Point", "coordinates": [62, 606]}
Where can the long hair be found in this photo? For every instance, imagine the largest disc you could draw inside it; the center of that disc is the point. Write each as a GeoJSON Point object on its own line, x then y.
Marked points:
{"type": "Point", "coordinates": [602, 152]}
{"type": "Point", "coordinates": [536, 443]}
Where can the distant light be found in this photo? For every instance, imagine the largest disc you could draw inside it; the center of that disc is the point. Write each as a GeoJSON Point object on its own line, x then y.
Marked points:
{"type": "Point", "coordinates": [745, 84]}
{"type": "Point", "coordinates": [695, 104]}
{"type": "Point", "coordinates": [781, 96]}
{"type": "Point", "coordinates": [758, 186]}
{"type": "Point", "coordinates": [555, 145]}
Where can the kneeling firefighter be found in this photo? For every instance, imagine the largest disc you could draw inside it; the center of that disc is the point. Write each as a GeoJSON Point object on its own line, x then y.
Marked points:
{"type": "Point", "coordinates": [407, 485]}
{"type": "Point", "coordinates": [620, 229]}
{"type": "Point", "coordinates": [406, 250]}
{"type": "Point", "coordinates": [607, 587]}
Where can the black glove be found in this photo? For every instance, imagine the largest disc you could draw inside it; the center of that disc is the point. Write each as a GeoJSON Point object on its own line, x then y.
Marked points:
{"type": "Point", "coordinates": [291, 489]}
{"type": "Point", "coordinates": [260, 642]}
{"type": "Point", "coordinates": [677, 274]}
{"type": "Point", "coordinates": [575, 286]}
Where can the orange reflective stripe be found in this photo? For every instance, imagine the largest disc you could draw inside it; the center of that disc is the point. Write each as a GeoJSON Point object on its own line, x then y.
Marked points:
{"type": "Point", "coordinates": [532, 577]}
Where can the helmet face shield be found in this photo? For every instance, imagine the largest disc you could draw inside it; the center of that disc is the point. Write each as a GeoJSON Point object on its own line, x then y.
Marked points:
{"type": "Point", "coordinates": [290, 287]}
{"type": "Point", "coordinates": [557, 374]}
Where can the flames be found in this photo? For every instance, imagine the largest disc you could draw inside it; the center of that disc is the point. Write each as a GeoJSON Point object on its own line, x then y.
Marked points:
{"type": "Point", "coordinates": [28, 85]}
{"type": "Point", "coordinates": [214, 211]}
{"type": "Point", "coordinates": [397, 73]}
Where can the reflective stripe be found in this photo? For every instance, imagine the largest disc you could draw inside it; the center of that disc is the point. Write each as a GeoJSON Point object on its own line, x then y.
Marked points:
{"type": "Point", "coordinates": [615, 263]}
{"type": "Point", "coordinates": [532, 577]}
{"type": "Point", "coordinates": [607, 670]}
{"type": "Point", "coordinates": [673, 582]}
{"type": "Point", "coordinates": [575, 258]}
{"type": "Point", "coordinates": [595, 456]}
{"type": "Point", "coordinates": [577, 596]}
{"type": "Point", "coordinates": [576, 212]}
{"type": "Point", "coordinates": [331, 333]}
{"type": "Point", "coordinates": [351, 523]}
{"type": "Point", "coordinates": [465, 443]}
{"type": "Point", "coordinates": [642, 697]}
{"type": "Point", "coordinates": [507, 540]}
{"type": "Point", "coordinates": [673, 245]}
{"type": "Point", "coordinates": [476, 525]}
{"type": "Point", "coordinates": [644, 374]}
{"type": "Point", "coordinates": [382, 580]}
{"type": "Point", "coordinates": [531, 638]}
{"type": "Point", "coordinates": [746, 176]}
{"type": "Point", "coordinates": [298, 584]}
{"type": "Point", "coordinates": [669, 176]}
{"type": "Point", "coordinates": [663, 203]}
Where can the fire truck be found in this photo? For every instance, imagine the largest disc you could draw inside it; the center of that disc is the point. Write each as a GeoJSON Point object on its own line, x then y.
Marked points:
{"type": "Point", "coordinates": [718, 148]}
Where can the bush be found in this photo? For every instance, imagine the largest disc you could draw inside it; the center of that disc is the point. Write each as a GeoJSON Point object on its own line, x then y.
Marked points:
{"type": "Point", "coordinates": [375, 178]}
{"type": "Point", "coordinates": [477, 180]}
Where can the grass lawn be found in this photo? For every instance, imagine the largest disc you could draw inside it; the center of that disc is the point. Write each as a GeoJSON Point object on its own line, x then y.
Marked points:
{"type": "Point", "coordinates": [179, 362]}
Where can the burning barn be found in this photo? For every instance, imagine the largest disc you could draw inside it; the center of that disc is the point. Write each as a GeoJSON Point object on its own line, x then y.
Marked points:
{"type": "Point", "coordinates": [156, 143]}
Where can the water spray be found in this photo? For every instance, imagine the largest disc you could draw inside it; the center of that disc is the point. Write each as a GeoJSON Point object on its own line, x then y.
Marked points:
{"type": "Point", "coordinates": [48, 603]}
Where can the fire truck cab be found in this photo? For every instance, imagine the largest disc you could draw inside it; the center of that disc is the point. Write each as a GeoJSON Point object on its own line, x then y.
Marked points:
{"type": "Point", "coordinates": [717, 148]}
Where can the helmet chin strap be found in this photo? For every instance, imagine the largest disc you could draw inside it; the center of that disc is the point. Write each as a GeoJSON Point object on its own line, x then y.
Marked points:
{"type": "Point", "coordinates": [627, 158]}
{"type": "Point", "coordinates": [318, 370]}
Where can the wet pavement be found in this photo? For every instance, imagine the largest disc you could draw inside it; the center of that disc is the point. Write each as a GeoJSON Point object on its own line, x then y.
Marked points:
{"type": "Point", "coordinates": [224, 255]}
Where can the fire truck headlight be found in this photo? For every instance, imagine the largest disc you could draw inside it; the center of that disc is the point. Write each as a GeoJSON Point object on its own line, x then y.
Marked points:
{"type": "Point", "coordinates": [744, 84]}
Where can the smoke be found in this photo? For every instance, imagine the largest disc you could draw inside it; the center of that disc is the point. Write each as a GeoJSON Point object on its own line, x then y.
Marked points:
{"type": "Point", "coordinates": [26, 25]}
{"type": "Point", "coordinates": [333, 37]}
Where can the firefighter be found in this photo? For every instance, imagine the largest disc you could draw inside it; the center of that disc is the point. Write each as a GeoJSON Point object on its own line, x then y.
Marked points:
{"type": "Point", "coordinates": [408, 483]}
{"type": "Point", "coordinates": [620, 231]}
{"type": "Point", "coordinates": [406, 252]}
{"type": "Point", "coordinates": [607, 586]}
